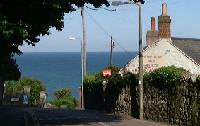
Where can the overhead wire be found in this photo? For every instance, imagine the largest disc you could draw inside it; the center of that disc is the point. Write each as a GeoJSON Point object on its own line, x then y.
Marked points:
{"type": "Point", "coordinates": [102, 28]}
{"type": "Point", "coordinates": [70, 18]}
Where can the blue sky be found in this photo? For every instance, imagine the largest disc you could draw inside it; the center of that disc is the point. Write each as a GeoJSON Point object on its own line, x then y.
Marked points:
{"type": "Point", "coordinates": [122, 24]}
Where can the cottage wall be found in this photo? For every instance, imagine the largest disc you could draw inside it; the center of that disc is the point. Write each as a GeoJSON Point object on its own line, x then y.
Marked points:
{"type": "Point", "coordinates": [163, 53]}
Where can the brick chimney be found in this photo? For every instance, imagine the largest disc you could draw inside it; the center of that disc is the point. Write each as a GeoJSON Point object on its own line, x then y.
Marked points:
{"type": "Point", "coordinates": [164, 23]}
{"type": "Point", "coordinates": [152, 35]}
{"type": "Point", "coordinates": [153, 26]}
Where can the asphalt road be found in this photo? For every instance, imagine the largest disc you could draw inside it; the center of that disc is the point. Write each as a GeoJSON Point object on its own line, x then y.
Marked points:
{"type": "Point", "coordinates": [14, 116]}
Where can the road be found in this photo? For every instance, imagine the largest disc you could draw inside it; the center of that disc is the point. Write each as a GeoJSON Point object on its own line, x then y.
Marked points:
{"type": "Point", "coordinates": [13, 116]}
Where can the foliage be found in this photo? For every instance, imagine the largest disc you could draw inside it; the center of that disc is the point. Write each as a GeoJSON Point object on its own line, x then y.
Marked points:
{"type": "Point", "coordinates": [9, 67]}
{"type": "Point", "coordinates": [165, 77]}
{"type": "Point", "coordinates": [93, 94]}
{"type": "Point", "coordinates": [170, 96]}
{"type": "Point", "coordinates": [63, 98]}
{"type": "Point", "coordinates": [35, 85]}
{"type": "Point", "coordinates": [10, 86]}
{"type": "Point", "coordinates": [198, 80]}
{"type": "Point", "coordinates": [25, 21]}
{"type": "Point", "coordinates": [101, 92]}
{"type": "Point", "coordinates": [62, 93]}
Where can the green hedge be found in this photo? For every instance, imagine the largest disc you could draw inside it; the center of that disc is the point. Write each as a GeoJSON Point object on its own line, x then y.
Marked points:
{"type": "Point", "coordinates": [93, 93]}
{"type": "Point", "coordinates": [170, 96]}
{"type": "Point", "coordinates": [101, 97]}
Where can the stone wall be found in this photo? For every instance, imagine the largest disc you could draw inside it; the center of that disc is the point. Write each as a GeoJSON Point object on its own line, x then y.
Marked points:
{"type": "Point", "coordinates": [123, 103]}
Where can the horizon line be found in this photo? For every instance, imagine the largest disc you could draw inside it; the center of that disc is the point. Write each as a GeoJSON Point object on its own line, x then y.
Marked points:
{"type": "Point", "coordinates": [79, 52]}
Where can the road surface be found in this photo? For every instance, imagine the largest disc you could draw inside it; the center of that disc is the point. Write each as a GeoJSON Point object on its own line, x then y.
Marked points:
{"type": "Point", "coordinates": [15, 116]}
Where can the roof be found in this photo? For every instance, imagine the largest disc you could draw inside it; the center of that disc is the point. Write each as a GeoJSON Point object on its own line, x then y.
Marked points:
{"type": "Point", "coordinates": [190, 46]}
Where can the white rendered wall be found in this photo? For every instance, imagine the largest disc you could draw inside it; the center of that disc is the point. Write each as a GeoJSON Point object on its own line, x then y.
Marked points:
{"type": "Point", "coordinates": [163, 53]}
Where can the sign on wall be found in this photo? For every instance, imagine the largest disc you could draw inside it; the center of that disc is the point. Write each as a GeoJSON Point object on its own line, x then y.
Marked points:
{"type": "Point", "coordinates": [107, 73]}
{"type": "Point", "coordinates": [153, 62]}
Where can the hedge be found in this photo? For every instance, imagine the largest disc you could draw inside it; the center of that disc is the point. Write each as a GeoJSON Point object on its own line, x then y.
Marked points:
{"type": "Point", "coordinates": [105, 97]}
{"type": "Point", "coordinates": [170, 96]}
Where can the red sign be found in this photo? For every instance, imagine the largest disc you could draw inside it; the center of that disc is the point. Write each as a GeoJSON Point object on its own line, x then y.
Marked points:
{"type": "Point", "coordinates": [107, 73]}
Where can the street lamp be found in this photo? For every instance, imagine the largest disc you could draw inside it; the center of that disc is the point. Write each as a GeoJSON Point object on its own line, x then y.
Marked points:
{"type": "Point", "coordinates": [82, 69]}
{"type": "Point", "coordinates": [138, 3]}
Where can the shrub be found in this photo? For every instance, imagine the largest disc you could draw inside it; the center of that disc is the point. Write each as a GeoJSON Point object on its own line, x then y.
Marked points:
{"type": "Point", "coordinates": [35, 85]}
{"type": "Point", "coordinates": [104, 96]}
{"type": "Point", "coordinates": [62, 93]}
{"type": "Point", "coordinates": [170, 96]}
{"type": "Point", "coordinates": [63, 98]}
{"type": "Point", "coordinates": [93, 92]}
{"type": "Point", "coordinates": [164, 77]}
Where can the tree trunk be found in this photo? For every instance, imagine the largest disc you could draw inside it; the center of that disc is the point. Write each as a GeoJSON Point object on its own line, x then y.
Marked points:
{"type": "Point", "coordinates": [1, 90]}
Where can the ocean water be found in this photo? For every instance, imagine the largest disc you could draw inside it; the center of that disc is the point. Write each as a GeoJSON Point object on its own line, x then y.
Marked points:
{"type": "Point", "coordinates": [63, 69]}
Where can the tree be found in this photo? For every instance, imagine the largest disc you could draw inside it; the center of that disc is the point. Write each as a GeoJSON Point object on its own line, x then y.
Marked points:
{"type": "Point", "coordinates": [11, 69]}
{"type": "Point", "coordinates": [24, 21]}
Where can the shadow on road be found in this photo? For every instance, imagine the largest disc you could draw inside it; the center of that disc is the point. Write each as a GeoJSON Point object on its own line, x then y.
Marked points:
{"type": "Point", "coordinates": [72, 117]}
{"type": "Point", "coordinates": [18, 116]}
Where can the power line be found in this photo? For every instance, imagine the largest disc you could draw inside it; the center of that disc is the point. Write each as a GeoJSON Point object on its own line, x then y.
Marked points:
{"type": "Point", "coordinates": [106, 8]}
{"type": "Point", "coordinates": [69, 20]}
{"type": "Point", "coordinates": [102, 28]}
{"type": "Point", "coordinates": [92, 8]}
{"type": "Point", "coordinates": [109, 9]}
{"type": "Point", "coordinates": [123, 20]}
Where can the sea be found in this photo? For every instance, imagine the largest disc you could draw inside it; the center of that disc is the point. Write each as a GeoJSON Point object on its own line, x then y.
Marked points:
{"type": "Point", "coordinates": [63, 69]}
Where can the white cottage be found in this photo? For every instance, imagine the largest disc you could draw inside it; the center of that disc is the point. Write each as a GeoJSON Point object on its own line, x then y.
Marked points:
{"type": "Point", "coordinates": [163, 53]}
{"type": "Point", "coordinates": [161, 50]}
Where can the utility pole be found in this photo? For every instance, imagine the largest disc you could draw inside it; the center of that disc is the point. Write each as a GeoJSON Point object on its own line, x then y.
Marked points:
{"type": "Point", "coordinates": [83, 56]}
{"type": "Point", "coordinates": [111, 50]}
{"type": "Point", "coordinates": [84, 43]}
{"type": "Point", "coordinates": [139, 3]}
{"type": "Point", "coordinates": [140, 63]}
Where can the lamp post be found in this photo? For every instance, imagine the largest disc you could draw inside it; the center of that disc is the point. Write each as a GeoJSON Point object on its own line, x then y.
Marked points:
{"type": "Point", "coordinates": [140, 63]}
{"type": "Point", "coordinates": [82, 70]}
{"type": "Point", "coordinates": [138, 3]}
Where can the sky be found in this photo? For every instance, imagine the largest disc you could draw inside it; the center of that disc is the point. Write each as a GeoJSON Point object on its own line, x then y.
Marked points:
{"type": "Point", "coordinates": [121, 24]}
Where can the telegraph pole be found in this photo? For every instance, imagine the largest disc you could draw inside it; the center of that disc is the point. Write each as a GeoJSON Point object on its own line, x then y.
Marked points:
{"type": "Point", "coordinates": [111, 50]}
{"type": "Point", "coordinates": [140, 63]}
{"type": "Point", "coordinates": [84, 43]}
{"type": "Point", "coordinates": [139, 3]}
{"type": "Point", "coordinates": [83, 55]}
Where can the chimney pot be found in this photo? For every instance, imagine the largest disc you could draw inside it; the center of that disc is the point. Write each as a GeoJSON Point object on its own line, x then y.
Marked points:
{"type": "Point", "coordinates": [164, 9]}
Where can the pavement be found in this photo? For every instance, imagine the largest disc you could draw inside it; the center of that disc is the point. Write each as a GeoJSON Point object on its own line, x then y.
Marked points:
{"type": "Point", "coordinates": [16, 116]}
